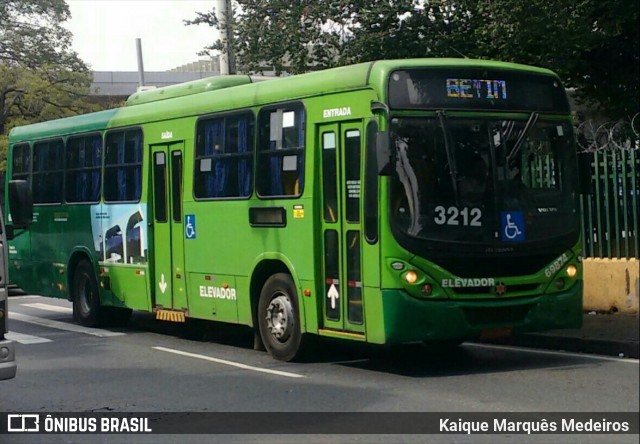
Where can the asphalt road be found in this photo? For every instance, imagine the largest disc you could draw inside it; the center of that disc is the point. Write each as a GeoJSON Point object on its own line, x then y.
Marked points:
{"type": "Point", "coordinates": [152, 366]}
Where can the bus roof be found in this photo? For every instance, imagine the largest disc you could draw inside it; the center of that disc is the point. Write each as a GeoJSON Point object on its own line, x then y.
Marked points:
{"type": "Point", "coordinates": [187, 89]}
{"type": "Point", "coordinates": [69, 125]}
{"type": "Point", "coordinates": [233, 92]}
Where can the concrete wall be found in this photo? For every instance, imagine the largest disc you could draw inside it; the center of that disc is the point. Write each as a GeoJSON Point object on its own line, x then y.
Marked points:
{"type": "Point", "coordinates": [125, 83]}
{"type": "Point", "coordinates": [611, 285]}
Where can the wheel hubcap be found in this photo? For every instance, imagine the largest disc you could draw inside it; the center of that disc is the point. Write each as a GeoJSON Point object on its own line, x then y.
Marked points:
{"type": "Point", "coordinates": [280, 317]}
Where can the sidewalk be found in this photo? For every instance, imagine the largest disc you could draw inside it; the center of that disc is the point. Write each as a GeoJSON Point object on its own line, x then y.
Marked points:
{"type": "Point", "coordinates": [606, 334]}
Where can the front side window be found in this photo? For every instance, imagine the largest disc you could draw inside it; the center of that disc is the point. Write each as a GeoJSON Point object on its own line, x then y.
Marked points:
{"type": "Point", "coordinates": [281, 152]}
{"type": "Point", "coordinates": [497, 182]}
{"type": "Point", "coordinates": [84, 155]}
{"type": "Point", "coordinates": [123, 166]}
{"type": "Point", "coordinates": [21, 163]}
{"type": "Point", "coordinates": [48, 172]}
{"type": "Point", "coordinates": [224, 157]}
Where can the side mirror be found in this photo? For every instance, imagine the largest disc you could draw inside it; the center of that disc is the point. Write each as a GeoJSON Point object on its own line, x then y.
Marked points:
{"type": "Point", "coordinates": [20, 203]}
{"type": "Point", "coordinates": [383, 154]}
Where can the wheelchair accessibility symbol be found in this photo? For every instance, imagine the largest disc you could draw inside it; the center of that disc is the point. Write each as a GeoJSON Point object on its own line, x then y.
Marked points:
{"type": "Point", "coordinates": [190, 226]}
{"type": "Point", "coordinates": [512, 226]}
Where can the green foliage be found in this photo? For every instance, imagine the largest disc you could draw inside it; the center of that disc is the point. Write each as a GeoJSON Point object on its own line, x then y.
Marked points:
{"type": "Point", "coordinates": [40, 77]}
{"type": "Point", "coordinates": [592, 44]}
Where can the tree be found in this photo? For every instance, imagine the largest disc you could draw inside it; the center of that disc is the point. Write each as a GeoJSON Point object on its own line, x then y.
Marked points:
{"type": "Point", "coordinates": [41, 78]}
{"type": "Point", "coordinates": [592, 44]}
{"type": "Point", "coordinates": [281, 35]}
{"type": "Point", "coordinates": [296, 36]}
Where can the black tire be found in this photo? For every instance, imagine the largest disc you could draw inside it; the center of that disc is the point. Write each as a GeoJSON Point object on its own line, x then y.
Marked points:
{"type": "Point", "coordinates": [279, 319]}
{"type": "Point", "coordinates": [87, 310]}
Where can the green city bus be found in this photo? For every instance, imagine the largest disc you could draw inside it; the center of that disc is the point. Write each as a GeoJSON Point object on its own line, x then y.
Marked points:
{"type": "Point", "coordinates": [386, 202]}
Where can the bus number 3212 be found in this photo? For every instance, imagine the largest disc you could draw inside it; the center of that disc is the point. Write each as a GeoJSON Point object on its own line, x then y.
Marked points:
{"type": "Point", "coordinates": [471, 217]}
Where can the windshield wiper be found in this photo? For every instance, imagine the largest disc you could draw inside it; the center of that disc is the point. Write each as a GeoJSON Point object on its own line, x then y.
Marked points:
{"type": "Point", "coordinates": [533, 118]}
{"type": "Point", "coordinates": [451, 159]}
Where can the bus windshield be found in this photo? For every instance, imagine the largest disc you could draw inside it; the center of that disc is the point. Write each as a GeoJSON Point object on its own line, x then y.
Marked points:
{"type": "Point", "coordinates": [491, 183]}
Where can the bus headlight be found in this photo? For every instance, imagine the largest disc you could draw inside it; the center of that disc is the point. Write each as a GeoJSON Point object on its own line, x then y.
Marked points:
{"type": "Point", "coordinates": [572, 271]}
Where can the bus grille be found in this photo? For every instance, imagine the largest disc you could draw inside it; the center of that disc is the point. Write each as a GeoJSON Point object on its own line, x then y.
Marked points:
{"type": "Point", "coordinates": [480, 316]}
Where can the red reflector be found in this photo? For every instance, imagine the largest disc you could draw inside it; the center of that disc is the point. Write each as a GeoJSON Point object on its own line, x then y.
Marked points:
{"type": "Point", "coordinates": [207, 278]}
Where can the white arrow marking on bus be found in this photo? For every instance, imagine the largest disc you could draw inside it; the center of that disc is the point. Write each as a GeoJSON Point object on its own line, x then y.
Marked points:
{"type": "Point", "coordinates": [163, 284]}
{"type": "Point", "coordinates": [333, 295]}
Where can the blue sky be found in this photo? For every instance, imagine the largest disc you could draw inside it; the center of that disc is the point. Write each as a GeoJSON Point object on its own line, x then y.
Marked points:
{"type": "Point", "coordinates": [105, 32]}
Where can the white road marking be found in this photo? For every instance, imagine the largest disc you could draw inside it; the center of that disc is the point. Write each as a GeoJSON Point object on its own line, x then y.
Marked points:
{"type": "Point", "coordinates": [64, 326]}
{"type": "Point", "coordinates": [13, 298]}
{"type": "Point", "coordinates": [551, 352]}
{"type": "Point", "coordinates": [49, 307]}
{"type": "Point", "coordinates": [231, 363]}
{"type": "Point", "coordinates": [25, 339]}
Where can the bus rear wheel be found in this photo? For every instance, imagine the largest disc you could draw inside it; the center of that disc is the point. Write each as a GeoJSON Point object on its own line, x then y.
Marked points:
{"type": "Point", "coordinates": [87, 310]}
{"type": "Point", "coordinates": [278, 318]}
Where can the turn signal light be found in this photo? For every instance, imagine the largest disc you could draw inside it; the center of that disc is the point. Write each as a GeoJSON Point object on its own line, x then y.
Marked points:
{"type": "Point", "coordinates": [411, 277]}
{"type": "Point", "coordinates": [572, 270]}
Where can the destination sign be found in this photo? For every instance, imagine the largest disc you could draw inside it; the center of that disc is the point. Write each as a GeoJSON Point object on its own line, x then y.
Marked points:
{"type": "Point", "coordinates": [477, 89]}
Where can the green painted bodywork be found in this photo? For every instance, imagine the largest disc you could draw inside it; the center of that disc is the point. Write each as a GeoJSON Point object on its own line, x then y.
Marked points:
{"type": "Point", "coordinates": [227, 250]}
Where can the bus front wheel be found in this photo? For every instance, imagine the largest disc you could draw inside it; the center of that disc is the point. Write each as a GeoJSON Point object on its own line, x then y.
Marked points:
{"type": "Point", "coordinates": [86, 296]}
{"type": "Point", "coordinates": [278, 318]}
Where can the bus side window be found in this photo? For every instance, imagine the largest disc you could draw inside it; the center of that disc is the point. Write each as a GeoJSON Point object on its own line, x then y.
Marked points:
{"type": "Point", "coordinates": [123, 166]}
{"type": "Point", "coordinates": [224, 157]}
{"type": "Point", "coordinates": [48, 173]}
{"type": "Point", "coordinates": [84, 160]}
{"type": "Point", "coordinates": [281, 152]}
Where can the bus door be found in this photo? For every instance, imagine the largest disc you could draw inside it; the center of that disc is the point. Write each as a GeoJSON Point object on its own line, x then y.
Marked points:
{"type": "Point", "coordinates": [168, 227]}
{"type": "Point", "coordinates": [341, 148]}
